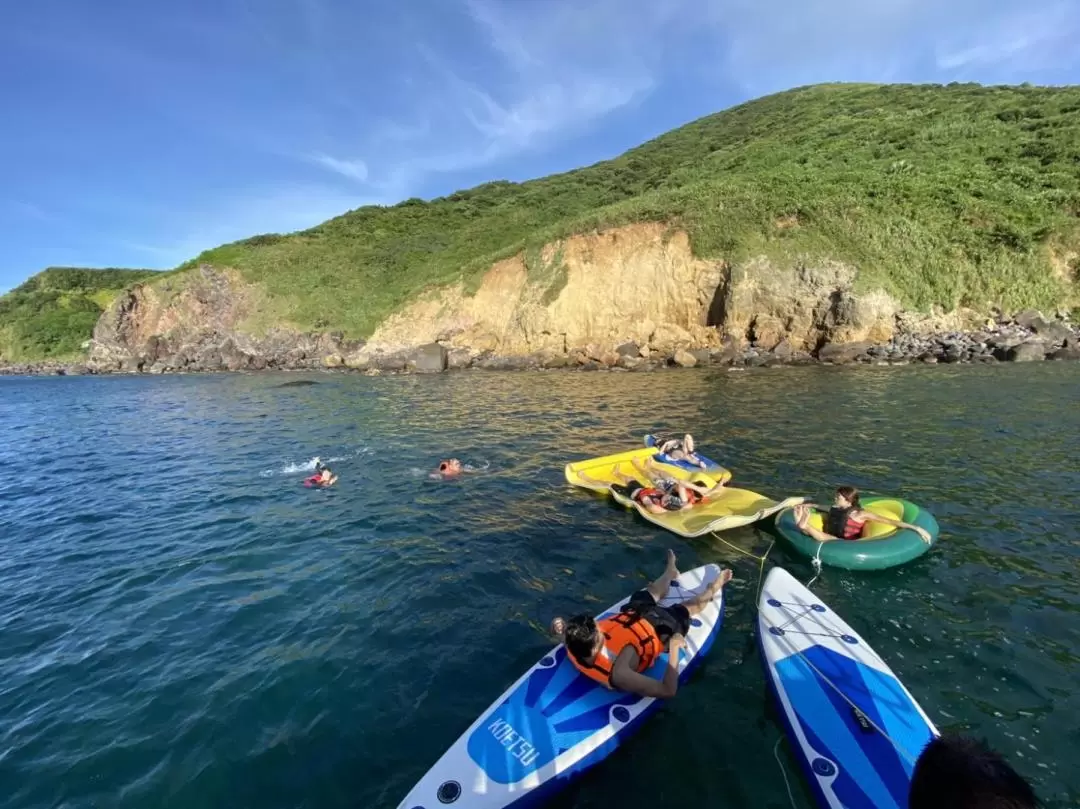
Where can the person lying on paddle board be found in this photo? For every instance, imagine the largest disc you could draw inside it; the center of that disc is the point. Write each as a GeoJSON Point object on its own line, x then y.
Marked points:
{"type": "Point", "coordinates": [615, 652]}
{"type": "Point", "coordinates": [846, 518]}
{"type": "Point", "coordinates": [679, 449]}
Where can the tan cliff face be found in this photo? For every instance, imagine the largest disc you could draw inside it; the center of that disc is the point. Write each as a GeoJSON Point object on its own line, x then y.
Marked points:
{"type": "Point", "coordinates": [195, 321]}
{"type": "Point", "coordinates": [590, 293]}
{"type": "Point", "coordinates": [639, 283]}
{"type": "Point", "coordinates": [600, 289]}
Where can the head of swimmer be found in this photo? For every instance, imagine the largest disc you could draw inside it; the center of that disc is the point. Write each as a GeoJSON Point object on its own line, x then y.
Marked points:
{"type": "Point", "coordinates": [958, 772]}
{"type": "Point", "coordinates": [451, 466]}
{"type": "Point", "coordinates": [582, 638]}
{"type": "Point", "coordinates": [847, 497]}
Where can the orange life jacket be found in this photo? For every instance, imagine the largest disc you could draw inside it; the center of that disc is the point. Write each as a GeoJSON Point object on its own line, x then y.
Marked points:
{"type": "Point", "coordinates": [620, 631]}
{"type": "Point", "coordinates": [646, 492]}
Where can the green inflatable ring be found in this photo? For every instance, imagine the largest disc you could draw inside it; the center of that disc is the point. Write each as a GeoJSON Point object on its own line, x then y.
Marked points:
{"type": "Point", "coordinates": [884, 547]}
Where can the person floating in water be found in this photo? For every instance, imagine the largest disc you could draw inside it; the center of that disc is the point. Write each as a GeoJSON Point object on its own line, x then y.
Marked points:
{"type": "Point", "coordinates": [846, 518]}
{"type": "Point", "coordinates": [450, 468]}
{"type": "Point", "coordinates": [958, 772]}
{"type": "Point", "coordinates": [615, 652]}
{"type": "Point", "coordinates": [323, 477]}
{"type": "Point", "coordinates": [453, 467]}
{"type": "Point", "coordinates": [680, 449]}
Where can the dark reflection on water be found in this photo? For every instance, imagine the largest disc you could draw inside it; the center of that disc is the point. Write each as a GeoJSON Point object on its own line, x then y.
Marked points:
{"type": "Point", "coordinates": [184, 625]}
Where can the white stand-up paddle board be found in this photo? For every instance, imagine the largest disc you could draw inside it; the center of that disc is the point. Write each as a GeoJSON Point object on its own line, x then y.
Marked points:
{"type": "Point", "coordinates": [855, 729]}
{"type": "Point", "coordinates": [554, 722]}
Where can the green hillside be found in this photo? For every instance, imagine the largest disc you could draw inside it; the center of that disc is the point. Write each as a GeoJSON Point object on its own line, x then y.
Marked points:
{"type": "Point", "coordinates": [942, 195]}
{"type": "Point", "coordinates": [50, 315]}
{"type": "Point", "coordinates": [957, 195]}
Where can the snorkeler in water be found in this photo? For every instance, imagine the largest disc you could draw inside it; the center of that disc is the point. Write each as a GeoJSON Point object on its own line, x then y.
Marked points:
{"type": "Point", "coordinates": [451, 468]}
{"type": "Point", "coordinates": [323, 477]}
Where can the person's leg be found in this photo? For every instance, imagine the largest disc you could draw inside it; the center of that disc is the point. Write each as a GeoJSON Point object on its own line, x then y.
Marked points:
{"type": "Point", "coordinates": [715, 490]}
{"type": "Point", "coordinates": [646, 471]}
{"type": "Point", "coordinates": [802, 522]}
{"type": "Point", "coordinates": [617, 472]}
{"type": "Point", "coordinates": [700, 601]}
{"type": "Point", "coordinates": [589, 480]}
{"type": "Point", "coordinates": [658, 589]}
{"type": "Point", "coordinates": [684, 495]}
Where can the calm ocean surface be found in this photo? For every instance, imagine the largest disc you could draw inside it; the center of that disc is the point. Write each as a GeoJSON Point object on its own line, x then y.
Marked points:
{"type": "Point", "coordinates": [182, 624]}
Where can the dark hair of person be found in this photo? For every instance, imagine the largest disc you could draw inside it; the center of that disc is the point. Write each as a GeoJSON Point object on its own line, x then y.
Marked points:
{"type": "Point", "coordinates": [851, 494]}
{"type": "Point", "coordinates": [958, 772]}
{"type": "Point", "coordinates": [580, 637]}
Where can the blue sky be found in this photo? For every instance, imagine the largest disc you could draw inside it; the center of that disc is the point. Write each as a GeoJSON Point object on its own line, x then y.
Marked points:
{"type": "Point", "coordinates": [138, 133]}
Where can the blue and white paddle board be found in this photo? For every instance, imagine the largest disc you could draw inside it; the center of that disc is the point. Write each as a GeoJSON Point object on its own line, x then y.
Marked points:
{"type": "Point", "coordinates": [855, 729]}
{"type": "Point", "coordinates": [660, 457]}
{"type": "Point", "coordinates": [555, 722]}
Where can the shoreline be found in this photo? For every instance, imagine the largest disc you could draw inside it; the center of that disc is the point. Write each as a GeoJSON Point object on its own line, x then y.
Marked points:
{"type": "Point", "coordinates": [1028, 337]}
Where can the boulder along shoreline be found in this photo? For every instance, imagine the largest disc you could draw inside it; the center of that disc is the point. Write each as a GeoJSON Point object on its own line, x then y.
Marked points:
{"type": "Point", "coordinates": [1027, 337]}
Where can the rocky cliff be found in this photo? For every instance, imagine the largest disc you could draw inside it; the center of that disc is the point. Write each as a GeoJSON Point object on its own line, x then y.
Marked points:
{"type": "Point", "coordinates": [199, 321]}
{"type": "Point", "coordinates": [624, 296]}
{"type": "Point", "coordinates": [638, 284]}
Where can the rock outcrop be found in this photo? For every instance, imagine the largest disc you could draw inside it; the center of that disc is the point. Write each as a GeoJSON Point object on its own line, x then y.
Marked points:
{"type": "Point", "coordinates": [632, 298]}
{"type": "Point", "coordinates": [639, 286]}
{"type": "Point", "coordinates": [199, 322]}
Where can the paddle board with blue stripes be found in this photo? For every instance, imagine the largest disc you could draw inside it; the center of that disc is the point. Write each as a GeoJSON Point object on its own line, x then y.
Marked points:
{"type": "Point", "coordinates": [555, 722]}
{"type": "Point", "coordinates": [854, 727]}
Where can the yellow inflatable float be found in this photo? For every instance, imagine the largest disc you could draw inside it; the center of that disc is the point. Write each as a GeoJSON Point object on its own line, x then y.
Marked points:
{"type": "Point", "coordinates": [722, 508]}
{"type": "Point", "coordinates": [597, 474]}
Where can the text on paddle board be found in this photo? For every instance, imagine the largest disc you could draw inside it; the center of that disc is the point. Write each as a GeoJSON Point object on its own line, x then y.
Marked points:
{"type": "Point", "coordinates": [513, 741]}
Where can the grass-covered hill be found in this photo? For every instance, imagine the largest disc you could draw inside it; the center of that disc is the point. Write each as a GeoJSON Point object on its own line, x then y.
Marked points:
{"type": "Point", "coordinates": [50, 315]}
{"type": "Point", "coordinates": [957, 195]}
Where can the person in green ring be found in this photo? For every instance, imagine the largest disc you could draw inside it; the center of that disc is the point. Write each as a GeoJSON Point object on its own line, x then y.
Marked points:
{"type": "Point", "coordinates": [846, 518]}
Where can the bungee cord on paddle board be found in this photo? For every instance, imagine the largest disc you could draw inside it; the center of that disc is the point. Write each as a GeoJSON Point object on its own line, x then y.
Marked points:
{"type": "Point", "coordinates": [825, 678]}
{"type": "Point", "coordinates": [798, 612]}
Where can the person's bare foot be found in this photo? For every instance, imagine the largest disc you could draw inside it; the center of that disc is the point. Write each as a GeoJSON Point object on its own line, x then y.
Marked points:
{"type": "Point", "coordinates": [802, 514]}
{"type": "Point", "coordinates": [672, 570]}
{"type": "Point", "coordinates": [718, 583]}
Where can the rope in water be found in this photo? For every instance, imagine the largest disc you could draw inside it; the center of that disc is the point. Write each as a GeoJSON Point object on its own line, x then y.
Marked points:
{"type": "Point", "coordinates": [783, 772]}
{"type": "Point", "coordinates": [760, 559]}
{"type": "Point", "coordinates": [816, 563]}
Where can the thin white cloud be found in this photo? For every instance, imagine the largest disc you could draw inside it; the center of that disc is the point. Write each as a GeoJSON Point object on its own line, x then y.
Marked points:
{"type": "Point", "coordinates": [353, 169]}
{"type": "Point", "coordinates": [384, 102]}
{"type": "Point", "coordinates": [773, 46]}
{"type": "Point", "coordinates": [28, 210]}
{"type": "Point", "coordinates": [547, 71]}
{"type": "Point", "coordinates": [551, 71]}
{"type": "Point", "coordinates": [1028, 39]}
